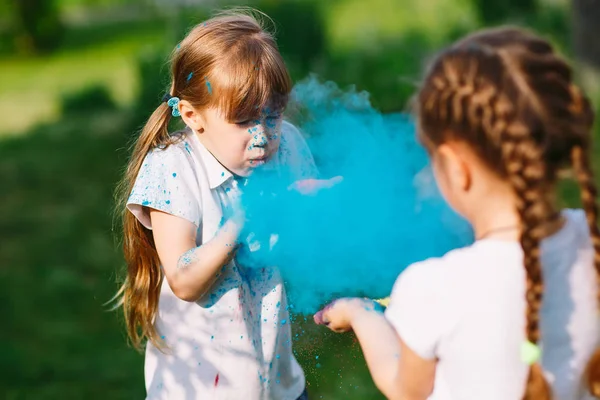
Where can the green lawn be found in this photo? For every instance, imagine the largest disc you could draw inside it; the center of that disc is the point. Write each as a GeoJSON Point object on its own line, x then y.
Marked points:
{"type": "Point", "coordinates": [32, 87]}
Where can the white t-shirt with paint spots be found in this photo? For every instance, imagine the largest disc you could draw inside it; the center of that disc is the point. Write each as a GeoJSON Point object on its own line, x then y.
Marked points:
{"type": "Point", "coordinates": [234, 343]}
{"type": "Point", "coordinates": [467, 309]}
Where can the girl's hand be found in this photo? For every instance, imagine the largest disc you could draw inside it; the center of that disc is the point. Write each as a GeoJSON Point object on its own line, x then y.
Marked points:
{"type": "Point", "coordinates": [338, 315]}
{"type": "Point", "coordinates": [312, 186]}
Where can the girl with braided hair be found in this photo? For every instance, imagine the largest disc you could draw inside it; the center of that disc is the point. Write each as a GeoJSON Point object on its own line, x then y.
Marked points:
{"type": "Point", "coordinates": [515, 315]}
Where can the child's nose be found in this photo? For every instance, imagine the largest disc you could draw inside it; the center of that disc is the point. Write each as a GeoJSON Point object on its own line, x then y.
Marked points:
{"type": "Point", "coordinates": [261, 137]}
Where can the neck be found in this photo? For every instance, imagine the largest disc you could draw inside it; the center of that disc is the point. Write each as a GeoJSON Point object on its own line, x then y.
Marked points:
{"type": "Point", "coordinates": [498, 218]}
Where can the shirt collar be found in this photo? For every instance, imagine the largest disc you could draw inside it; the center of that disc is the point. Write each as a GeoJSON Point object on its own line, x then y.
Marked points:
{"type": "Point", "coordinates": [216, 172]}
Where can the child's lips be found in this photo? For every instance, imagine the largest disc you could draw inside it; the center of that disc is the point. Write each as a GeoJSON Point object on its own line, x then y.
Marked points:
{"type": "Point", "coordinates": [259, 160]}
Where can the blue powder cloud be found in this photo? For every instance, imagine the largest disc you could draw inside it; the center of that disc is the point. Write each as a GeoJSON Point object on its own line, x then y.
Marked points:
{"type": "Point", "coordinates": [355, 238]}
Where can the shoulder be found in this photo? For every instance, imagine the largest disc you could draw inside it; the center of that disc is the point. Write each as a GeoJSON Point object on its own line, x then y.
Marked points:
{"type": "Point", "coordinates": [421, 308]}
{"type": "Point", "coordinates": [177, 152]}
{"type": "Point", "coordinates": [435, 274]}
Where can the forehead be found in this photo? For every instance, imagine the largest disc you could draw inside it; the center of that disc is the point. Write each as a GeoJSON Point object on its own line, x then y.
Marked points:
{"type": "Point", "coordinates": [216, 114]}
{"type": "Point", "coordinates": [255, 112]}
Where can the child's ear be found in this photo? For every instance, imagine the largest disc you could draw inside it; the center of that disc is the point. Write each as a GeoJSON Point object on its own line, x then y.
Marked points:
{"type": "Point", "coordinates": [457, 170]}
{"type": "Point", "coordinates": [191, 116]}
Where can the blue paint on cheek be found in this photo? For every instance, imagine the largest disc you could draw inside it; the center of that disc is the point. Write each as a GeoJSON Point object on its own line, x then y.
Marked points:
{"type": "Point", "coordinates": [174, 175]}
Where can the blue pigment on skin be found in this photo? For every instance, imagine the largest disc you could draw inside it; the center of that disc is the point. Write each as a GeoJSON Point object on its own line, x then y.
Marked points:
{"type": "Point", "coordinates": [208, 86]}
{"type": "Point", "coordinates": [357, 237]}
{"type": "Point", "coordinates": [186, 259]}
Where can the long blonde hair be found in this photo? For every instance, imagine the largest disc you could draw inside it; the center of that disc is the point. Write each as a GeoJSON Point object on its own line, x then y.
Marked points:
{"type": "Point", "coordinates": [230, 63]}
{"type": "Point", "coordinates": [508, 95]}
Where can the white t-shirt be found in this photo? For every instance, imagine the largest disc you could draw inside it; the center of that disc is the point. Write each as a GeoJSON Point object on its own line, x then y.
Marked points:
{"type": "Point", "coordinates": [467, 309]}
{"type": "Point", "coordinates": [235, 343]}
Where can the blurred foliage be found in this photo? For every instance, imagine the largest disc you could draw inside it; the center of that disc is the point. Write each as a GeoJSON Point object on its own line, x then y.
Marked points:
{"type": "Point", "coordinates": [495, 11]}
{"type": "Point", "coordinates": [56, 224]}
{"type": "Point", "coordinates": [95, 98]}
{"type": "Point", "coordinates": [299, 30]}
{"type": "Point", "coordinates": [153, 72]}
{"type": "Point", "coordinates": [37, 25]}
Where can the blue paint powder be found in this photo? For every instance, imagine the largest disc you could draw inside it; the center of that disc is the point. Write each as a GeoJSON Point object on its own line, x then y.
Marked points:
{"type": "Point", "coordinates": [357, 237]}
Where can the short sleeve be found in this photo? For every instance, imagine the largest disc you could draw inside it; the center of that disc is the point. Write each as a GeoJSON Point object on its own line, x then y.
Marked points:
{"type": "Point", "coordinates": [295, 154]}
{"type": "Point", "coordinates": [415, 310]}
{"type": "Point", "coordinates": [166, 182]}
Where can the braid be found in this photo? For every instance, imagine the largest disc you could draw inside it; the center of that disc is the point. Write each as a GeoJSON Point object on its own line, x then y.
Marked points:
{"type": "Point", "coordinates": [585, 178]}
{"type": "Point", "coordinates": [584, 174]}
{"type": "Point", "coordinates": [526, 172]}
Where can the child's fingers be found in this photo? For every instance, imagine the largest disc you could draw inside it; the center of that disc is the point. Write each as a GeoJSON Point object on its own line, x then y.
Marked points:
{"type": "Point", "coordinates": [304, 187]}
{"type": "Point", "coordinates": [321, 317]}
{"type": "Point", "coordinates": [308, 186]}
{"type": "Point", "coordinates": [318, 318]}
{"type": "Point", "coordinates": [333, 181]}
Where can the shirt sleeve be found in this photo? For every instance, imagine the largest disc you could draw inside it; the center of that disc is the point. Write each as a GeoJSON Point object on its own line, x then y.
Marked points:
{"type": "Point", "coordinates": [295, 154]}
{"type": "Point", "coordinates": [166, 182]}
{"type": "Point", "coordinates": [415, 308]}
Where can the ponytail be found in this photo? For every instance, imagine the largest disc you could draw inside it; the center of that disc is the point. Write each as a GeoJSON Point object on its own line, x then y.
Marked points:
{"type": "Point", "coordinates": [140, 291]}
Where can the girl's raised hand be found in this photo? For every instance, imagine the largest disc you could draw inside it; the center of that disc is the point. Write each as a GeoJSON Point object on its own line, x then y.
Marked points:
{"type": "Point", "coordinates": [312, 186]}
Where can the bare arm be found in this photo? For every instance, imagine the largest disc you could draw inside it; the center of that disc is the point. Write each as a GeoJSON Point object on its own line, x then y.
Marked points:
{"type": "Point", "coordinates": [191, 270]}
{"type": "Point", "coordinates": [405, 377]}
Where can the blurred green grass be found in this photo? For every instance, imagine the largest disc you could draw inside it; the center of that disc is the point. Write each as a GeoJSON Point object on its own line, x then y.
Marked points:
{"type": "Point", "coordinates": [32, 87]}
{"type": "Point", "coordinates": [59, 256]}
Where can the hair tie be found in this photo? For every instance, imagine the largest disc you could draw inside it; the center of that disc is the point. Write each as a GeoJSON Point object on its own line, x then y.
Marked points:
{"type": "Point", "coordinates": [173, 102]}
{"type": "Point", "coordinates": [530, 353]}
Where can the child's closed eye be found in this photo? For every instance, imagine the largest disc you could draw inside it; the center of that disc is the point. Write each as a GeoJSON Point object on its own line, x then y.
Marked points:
{"type": "Point", "coordinates": [248, 122]}
{"type": "Point", "coordinates": [251, 122]}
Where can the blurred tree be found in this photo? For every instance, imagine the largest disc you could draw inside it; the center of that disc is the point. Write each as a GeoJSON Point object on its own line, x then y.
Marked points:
{"type": "Point", "coordinates": [586, 31]}
{"type": "Point", "coordinates": [299, 30]}
{"type": "Point", "coordinates": [37, 25]}
{"type": "Point", "coordinates": [495, 11]}
{"type": "Point", "coordinates": [153, 71]}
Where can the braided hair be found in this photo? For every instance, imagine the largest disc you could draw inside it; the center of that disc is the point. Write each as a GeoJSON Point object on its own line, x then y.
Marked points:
{"type": "Point", "coordinates": [509, 96]}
